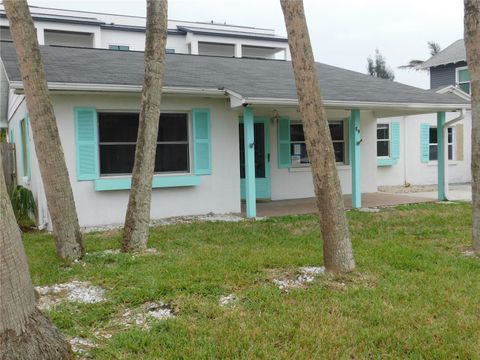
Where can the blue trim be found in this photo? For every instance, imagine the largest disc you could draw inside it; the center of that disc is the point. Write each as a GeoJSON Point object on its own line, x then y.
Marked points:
{"type": "Point", "coordinates": [355, 140]}
{"type": "Point", "coordinates": [12, 138]}
{"type": "Point", "coordinates": [424, 143]}
{"type": "Point", "coordinates": [387, 162]}
{"type": "Point", "coordinates": [250, 192]}
{"type": "Point", "coordinates": [202, 141]}
{"type": "Point", "coordinates": [86, 143]}
{"type": "Point", "coordinates": [441, 155]}
{"type": "Point", "coordinates": [125, 183]}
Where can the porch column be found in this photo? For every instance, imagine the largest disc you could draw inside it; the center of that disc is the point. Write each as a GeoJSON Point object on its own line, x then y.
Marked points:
{"type": "Point", "coordinates": [250, 193]}
{"type": "Point", "coordinates": [354, 142]}
{"type": "Point", "coordinates": [441, 158]}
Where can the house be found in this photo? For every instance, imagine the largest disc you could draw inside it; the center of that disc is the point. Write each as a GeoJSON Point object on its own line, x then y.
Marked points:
{"type": "Point", "coordinates": [417, 157]}
{"type": "Point", "coordinates": [230, 129]}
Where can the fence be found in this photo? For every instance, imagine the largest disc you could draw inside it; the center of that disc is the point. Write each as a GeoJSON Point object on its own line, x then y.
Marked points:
{"type": "Point", "coordinates": [7, 152]}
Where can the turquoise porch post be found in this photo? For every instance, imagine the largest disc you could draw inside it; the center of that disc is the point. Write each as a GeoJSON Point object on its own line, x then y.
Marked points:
{"type": "Point", "coordinates": [250, 193]}
{"type": "Point", "coordinates": [354, 141]}
{"type": "Point", "coordinates": [441, 155]}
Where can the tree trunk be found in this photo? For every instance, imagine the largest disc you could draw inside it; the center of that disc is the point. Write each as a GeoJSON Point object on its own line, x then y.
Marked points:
{"type": "Point", "coordinates": [48, 147]}
{"type": "Point", "coordinates": [24, 332]}
{"type": "Point", "coordinates": [337, 247]}
{"type": "Point", "coordinates": [472, 45]}
{"type": "Point", "coordinates": [137, 220]}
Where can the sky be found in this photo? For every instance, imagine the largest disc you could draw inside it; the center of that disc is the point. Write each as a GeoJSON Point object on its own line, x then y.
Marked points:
{"type": "Point", "coordinates": [343, 32]}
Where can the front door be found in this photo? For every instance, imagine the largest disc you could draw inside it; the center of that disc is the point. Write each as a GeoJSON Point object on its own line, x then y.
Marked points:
{"type": "Point", "coordinates": [262, 158]}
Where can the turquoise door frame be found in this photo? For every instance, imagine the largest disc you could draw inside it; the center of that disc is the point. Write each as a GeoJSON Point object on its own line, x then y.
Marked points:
{"type": "Point", "coordinates": [262, 185]}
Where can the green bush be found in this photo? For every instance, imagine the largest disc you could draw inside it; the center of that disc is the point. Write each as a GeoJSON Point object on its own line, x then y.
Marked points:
{"type": "Point", "coordinates": [24, 206]}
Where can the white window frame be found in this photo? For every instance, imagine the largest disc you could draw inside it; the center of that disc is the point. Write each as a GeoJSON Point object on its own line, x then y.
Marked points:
{"type": "Point", "coordinates": [447, 144]}
{"type": "Point", "coordinates": [383, 140]}
{"type": "Point", "coordinates": [119, 45]}
{"type": "Point", "coordinates": [156, 174]}
{"type": "Point", "coordinates": [457, 78]}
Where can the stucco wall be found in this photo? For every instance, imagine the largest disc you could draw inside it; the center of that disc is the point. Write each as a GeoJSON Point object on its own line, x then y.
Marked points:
{"type": "Point", "coordinates": [413, 171]}
{"type": "Point", "coordinates": [217, 193]}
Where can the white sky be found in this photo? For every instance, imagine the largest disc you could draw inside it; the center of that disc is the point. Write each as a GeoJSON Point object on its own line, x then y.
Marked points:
{"type": "Point", "coordinates": [343, 32]}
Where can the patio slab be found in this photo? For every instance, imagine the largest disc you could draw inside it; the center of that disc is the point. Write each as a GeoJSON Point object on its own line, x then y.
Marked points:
{"type": "Point", "coordinates": [307, 206]}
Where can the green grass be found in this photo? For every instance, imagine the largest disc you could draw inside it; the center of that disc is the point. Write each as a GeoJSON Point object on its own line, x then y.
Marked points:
{"type": "Point", "coordinates": [414, 295]}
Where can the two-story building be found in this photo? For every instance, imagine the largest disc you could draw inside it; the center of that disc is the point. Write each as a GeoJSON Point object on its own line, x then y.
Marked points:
{"type": "Point", "coordinates": [416, 151]}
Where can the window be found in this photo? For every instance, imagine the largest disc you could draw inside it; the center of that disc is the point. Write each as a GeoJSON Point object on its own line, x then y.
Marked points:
{"type": "Point", "coordinates": [298, 148]}
{"type": "Point", "coordinates": [119, 47]}
{"type": "Point", "coordinates": [433, 144]}
{"type": "Point", "coordinates": [170, 51]}
{"type": "Point", "coordinates": [463, 79]}
{"type": "Point", "coordinates": [118, 137]}
{"type": "Point", "coordinates": [24, 145]}
{"type": "Point", "coordinates": [383, 140]}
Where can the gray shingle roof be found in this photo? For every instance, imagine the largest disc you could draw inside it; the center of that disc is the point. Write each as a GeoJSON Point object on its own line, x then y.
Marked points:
{"type": "Point", "coordinates": [251, 78]}
{"type": "Point", "coordinates": [451, 54]}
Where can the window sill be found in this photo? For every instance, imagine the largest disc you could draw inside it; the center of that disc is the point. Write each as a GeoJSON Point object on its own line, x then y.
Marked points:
{"type": "Point", "coordinates": [450, 163]}
{"type": "Point", "coordinates": [125, 182]}
{"type": "Point", "coordinates": [386, 162]}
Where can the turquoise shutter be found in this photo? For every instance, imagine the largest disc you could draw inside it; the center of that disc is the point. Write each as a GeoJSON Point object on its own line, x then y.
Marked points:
{"type": "Point", "coordinates": [424, 143]}
{"type": "Point", "coordinates": [202, 152]}
{"type": "Point", "coordinates": [283, 143]}
{"type": "Point", "coordinates": [395, 150]}
{"type": "Point", "coordinates": [86, 139]}
{"type": "Point", "coordinates": [12, 139]}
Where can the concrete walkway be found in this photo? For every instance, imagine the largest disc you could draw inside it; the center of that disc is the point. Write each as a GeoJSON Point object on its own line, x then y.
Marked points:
{"type": "Point", "coordinates": [307, 206]}
{"type": "Point", "coordinates": [456, 192]}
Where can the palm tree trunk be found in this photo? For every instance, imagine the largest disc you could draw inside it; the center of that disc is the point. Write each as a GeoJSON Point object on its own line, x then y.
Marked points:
{"type": "Point", "coordinates": [337, 247]}
{"type": "Point", "coordinates": [137, 221]}
{"type": "Point", "coordinates": [472, 45]}
{"type": "Point", "coordinates": [24, 332]}
{"type": "Point", "coordinates": [58, 191]}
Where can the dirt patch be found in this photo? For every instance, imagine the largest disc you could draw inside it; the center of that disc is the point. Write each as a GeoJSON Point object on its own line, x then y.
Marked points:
{"type": "Point", "coordinates": [211, 217]}
{"type": "Point", "coordinates": [300, 279]}
{"type": "Point", "coordinates": [75, 291]}
{"type": "Point", "coordinates": [144, 315]}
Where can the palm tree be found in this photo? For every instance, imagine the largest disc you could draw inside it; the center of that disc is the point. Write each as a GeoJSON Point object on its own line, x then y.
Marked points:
{"type": "Point", "coordinates": [137, 220]}
{"type": "Point", "coordinates": [25, 333]}
{"type": "Point", "coordinates": [337, 246]}
{"type": "Point", "coordinates": [51, 159]}
{"type": "Point", "coordinates": [434, 48]}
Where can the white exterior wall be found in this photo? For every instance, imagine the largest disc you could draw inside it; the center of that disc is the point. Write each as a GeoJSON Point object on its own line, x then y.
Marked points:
{"type": "Point", "coordinates": [297, 182]}
{"type": "Point", "coordinates": [410, 169]}
{"type": "Point", "coordinates": [135, 40]}
{"type": "Point", "coordinates": [218, 193]}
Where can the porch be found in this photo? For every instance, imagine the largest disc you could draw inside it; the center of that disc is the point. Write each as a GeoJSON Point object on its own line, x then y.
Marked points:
{"type": "Point", "coordinates": [307, 206]}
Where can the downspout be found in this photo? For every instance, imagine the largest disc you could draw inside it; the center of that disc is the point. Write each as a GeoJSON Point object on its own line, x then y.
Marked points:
{"type": "Point", "coordinates": [445, 141]}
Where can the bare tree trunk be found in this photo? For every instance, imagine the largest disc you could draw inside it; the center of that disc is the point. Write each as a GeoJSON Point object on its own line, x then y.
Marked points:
{"type": "Point", "coordinates": [472, 45]}
{"type": "Point", "coordinates": [337, 247]}
{"type": "Point", "coordinates": [61, 205]}
{"type": "Point", "coordinates": [24, 332]}
{"type": "Point", "coordinates": [137, 220]}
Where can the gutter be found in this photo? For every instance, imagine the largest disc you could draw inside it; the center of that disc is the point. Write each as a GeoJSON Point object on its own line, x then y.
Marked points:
{"type": "Point", "coordinates": [359, 104]}
{"type": "Point", "coordinates": [56, 86]}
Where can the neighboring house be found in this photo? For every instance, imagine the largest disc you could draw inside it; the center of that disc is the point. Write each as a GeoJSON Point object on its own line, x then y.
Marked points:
{"type": "Point", "coordinates": [408, 146]}
{"type": "Point", "coordinates": [122, 32]}
{"type": "Point", "coordinates": [218, 114]}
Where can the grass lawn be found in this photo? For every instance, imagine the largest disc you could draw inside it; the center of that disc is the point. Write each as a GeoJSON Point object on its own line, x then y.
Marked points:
{"type": "Point", "coordinates": [414, 294]}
